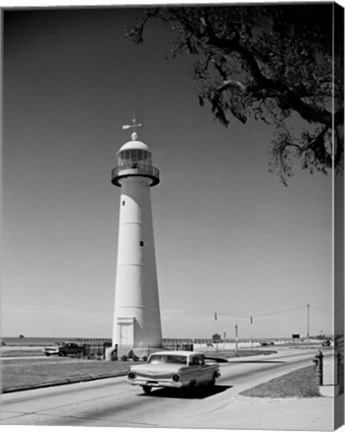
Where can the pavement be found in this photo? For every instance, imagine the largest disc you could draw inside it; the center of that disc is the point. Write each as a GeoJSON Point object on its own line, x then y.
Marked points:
{"type": "Point", "coordinates": [325, 413]}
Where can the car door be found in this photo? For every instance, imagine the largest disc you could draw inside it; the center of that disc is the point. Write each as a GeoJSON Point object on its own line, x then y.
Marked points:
{"type": "Point", "coordinates": [205, 370]}
{"type": "Point", "coordinates": [196, 370]}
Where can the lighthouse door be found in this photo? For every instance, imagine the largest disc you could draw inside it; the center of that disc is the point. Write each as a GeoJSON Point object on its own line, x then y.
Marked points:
{"type": "Point", "coordinates": [126, 332]}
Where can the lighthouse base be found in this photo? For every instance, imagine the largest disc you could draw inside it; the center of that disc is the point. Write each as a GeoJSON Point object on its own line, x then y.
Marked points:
{"type": "Point", "coordinates": [129, 339]}
{"type": "Point", "coordinates": [138, 352]}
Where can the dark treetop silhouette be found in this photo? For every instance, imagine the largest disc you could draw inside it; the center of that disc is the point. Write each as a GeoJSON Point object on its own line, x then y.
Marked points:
{"type": "Point", "coordinates": [276, 63]}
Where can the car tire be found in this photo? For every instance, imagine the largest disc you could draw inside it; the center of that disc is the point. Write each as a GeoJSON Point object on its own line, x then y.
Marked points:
{"type": "Point", "coordinates": [213, 381]}
{"type": "Point", "coordinates": [191, 387]}
{"type": "Point", "coordinates": [47, 354]}
{"type": "Point", "coordinates": [147, 389]}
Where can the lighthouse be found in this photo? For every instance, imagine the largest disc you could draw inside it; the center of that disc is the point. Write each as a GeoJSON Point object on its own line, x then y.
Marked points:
{"type": "Point", "coordinates": [137, 322]}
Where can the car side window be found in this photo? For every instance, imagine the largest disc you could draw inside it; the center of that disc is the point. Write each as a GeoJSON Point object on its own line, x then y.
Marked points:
{"type": "Point", "coordinates": [197, 361]}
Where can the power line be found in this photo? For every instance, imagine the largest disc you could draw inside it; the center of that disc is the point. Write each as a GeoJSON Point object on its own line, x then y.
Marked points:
{"type": "Point", "coordinates": [203, 308]}
{"type": "Point", "coordinates": [319, 310]}
{"type": "Point", "coordinates": [233, 315]}
{"type": "Point", "coordinates": [278, 312]}
{"type": "Point", "coordinates": [187, 302]}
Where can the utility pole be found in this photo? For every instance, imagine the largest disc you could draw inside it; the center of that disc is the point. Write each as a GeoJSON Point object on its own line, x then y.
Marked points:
{"type": "Point", "coordinates": [251, 333]}
{"type": "Point", "coordinates": [308, 319]}
{"type": "Point", "coordinates": [236, 337]}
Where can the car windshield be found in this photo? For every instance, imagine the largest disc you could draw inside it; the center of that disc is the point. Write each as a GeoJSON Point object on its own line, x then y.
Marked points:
{"type": "Point", "coordinates": [163, 358]}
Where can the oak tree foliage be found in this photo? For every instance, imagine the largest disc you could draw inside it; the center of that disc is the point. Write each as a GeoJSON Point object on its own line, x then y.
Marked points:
{"type": "Point", "coordinates": [281, 64]}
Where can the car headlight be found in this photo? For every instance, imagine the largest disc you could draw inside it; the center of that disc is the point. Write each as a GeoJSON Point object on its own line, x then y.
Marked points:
{"type": "Point", "coordinates": [176, 378]}
{"type": "Point", "coordinates": [131, 375]}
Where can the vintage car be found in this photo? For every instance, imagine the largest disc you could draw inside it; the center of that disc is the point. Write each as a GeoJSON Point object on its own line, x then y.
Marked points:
{"type": "Point", "coordinates": [63, 349]}
{"type": "Point", "coordinates": [51, 350]}
{"type": "Point", "coordinates": [174, 369]}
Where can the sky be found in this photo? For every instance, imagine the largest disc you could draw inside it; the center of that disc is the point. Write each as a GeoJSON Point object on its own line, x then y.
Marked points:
{"type": "Point", "coordinates": [230, 239]}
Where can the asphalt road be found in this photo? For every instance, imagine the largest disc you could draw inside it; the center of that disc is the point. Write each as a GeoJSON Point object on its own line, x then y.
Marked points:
{"type": "Point", "coordinates": [113, 402]}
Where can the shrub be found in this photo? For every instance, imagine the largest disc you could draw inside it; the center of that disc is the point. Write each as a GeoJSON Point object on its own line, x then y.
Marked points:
{"type": "Point", "coordinates": [113, 355]}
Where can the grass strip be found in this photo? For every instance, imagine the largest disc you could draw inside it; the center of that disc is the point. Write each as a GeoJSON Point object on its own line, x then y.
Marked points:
{"type": "Point", "coordinates": [21, 353]}
{"type": "Point", "coordinates": [301, 383]}
{"type": "Point", "coordinates": [35, 373]}
{"type": "Point", "coordinates": [240, 353]}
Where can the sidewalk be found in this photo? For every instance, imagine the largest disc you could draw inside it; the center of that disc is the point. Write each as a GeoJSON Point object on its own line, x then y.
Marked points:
{"type": "Point", "coordinates": [240, 412]}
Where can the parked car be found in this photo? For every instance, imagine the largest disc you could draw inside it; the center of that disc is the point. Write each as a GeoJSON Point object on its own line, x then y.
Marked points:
{"type": "Point", "coordinates": [326, 343]}
{"type": "Point", "coordinates": [266, 343]}
{"type": "Point", "coordinates": [63, 349]}
{"type": "Point", "coordinates": [51, 349]}
{"type": "Point", "coordinates": [174, 369]}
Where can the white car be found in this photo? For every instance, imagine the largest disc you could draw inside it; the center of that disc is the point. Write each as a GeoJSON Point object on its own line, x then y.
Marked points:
{"type": "Point", "coordinates": [174, 369]}
{"type": "Point", "coordinates": [52, 349]}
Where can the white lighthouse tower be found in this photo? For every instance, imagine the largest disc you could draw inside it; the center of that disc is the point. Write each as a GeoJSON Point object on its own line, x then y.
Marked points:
{"type": "Point", "coordinates": [137, 320]}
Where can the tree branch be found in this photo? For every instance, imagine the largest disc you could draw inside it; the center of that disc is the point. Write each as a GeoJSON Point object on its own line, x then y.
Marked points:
{"type": "Point", "coordinates": [283, 94]}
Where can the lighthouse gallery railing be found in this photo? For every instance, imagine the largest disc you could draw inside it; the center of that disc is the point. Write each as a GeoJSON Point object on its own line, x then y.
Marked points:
{"type": "Point", "coordinates": [126, 170]}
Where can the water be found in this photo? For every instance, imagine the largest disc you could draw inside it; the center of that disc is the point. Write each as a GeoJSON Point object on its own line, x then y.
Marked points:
{"type": "Point", "coordinates": [43, 341]}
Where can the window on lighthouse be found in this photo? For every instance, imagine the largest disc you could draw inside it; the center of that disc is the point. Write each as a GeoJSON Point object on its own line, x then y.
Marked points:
{"type": "Point", "coordinates": [140, 157]}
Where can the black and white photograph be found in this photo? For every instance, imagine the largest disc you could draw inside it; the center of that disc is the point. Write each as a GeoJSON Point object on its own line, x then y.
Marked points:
{"type": "Point", "coordinates": [172, 250]}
